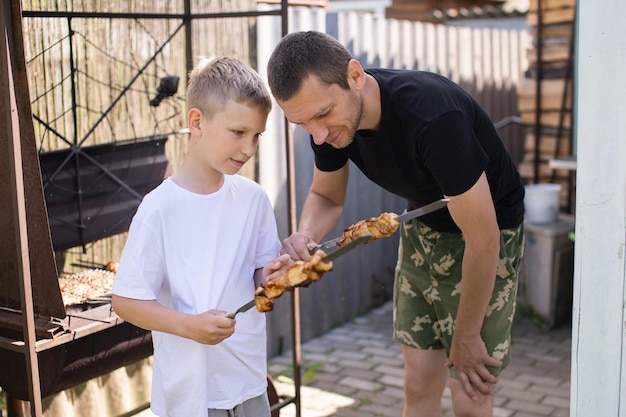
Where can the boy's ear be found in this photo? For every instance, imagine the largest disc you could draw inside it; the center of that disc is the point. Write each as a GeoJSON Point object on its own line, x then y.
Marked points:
{"type": "Point", "coordinates": [194, 117]}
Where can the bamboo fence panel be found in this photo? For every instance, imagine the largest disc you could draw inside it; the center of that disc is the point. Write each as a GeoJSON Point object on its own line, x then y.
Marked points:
{"type": "Point", "coordinates": [110, 100]}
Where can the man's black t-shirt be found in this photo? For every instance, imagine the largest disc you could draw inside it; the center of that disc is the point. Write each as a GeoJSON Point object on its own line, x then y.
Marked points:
{"type": "Point", "coordinates": [434, 139]}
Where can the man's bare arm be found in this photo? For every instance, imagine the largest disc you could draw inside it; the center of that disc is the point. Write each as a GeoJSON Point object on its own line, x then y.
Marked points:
{"type": "Point", "coordinates": [321, 211]}
{"type": "Point", "coordinates": [474, 213]}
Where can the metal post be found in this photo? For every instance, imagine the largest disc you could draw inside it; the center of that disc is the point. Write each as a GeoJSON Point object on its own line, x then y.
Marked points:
{"type": "Point", "coordinates": [538, 90]}
{"type": "Point", "coordinates": [12, 121]}
{"type": "Point", "coordinates": [188, 40]}
{"type": "Point", "coordinates": [292, 213]}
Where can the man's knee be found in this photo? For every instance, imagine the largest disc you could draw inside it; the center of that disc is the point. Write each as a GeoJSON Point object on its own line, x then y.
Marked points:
{"type": "Point", "coordinates": [425, 373]}
{"type": "Point", "coordinates": [464, 406]}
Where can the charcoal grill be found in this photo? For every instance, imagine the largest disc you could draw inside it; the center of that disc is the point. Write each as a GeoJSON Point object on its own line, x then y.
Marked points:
{"type": "Point", "coordinates": [79, 341]}
{"type": "Point", "coordinates": [46, 346]}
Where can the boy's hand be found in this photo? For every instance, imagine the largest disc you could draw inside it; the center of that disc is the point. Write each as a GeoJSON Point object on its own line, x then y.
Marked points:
{"type": "Point", "coordinates": [276, 267]}
{"type": "Point", "coordinates": [211, 327]}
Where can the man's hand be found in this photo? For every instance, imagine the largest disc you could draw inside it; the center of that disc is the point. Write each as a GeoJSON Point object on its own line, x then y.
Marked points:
{"type": "Point", "coordinates": [297, 246]}
{"type": "Point", "coordinates": [470, 360]}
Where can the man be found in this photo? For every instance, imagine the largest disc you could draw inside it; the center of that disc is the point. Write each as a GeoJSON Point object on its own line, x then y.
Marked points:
{"type": "Point", "coordinates": [422, 137]}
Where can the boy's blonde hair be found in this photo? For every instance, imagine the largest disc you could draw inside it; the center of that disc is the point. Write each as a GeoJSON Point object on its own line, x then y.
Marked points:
{"type": "Point", "coordinates": [213, 82]}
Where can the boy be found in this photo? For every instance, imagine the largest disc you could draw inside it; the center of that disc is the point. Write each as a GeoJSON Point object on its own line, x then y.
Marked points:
{"type": "Point", "coordinates": [198, 246]}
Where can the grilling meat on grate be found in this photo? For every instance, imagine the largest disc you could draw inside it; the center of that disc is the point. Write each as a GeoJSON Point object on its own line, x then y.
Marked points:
{"type": "Point", "coordinates": [384, 225]}
{"type": "Point", "coordinates": [112, 267]}
{"type": "Point", "coordinates": [299, 274]}
{"type": "Point", "coordinates": [86, 285]}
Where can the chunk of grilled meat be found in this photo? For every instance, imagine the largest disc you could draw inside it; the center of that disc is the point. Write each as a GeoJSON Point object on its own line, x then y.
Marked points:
{"type": "Point", "coordinates": [300, 273]}
{"type": "Point", "coordinates": [384, 225]}
{"type": "Point", "coordinates": [262, 303]}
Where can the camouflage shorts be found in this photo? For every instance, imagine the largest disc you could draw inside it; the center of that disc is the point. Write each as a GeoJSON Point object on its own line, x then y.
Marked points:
{"type": "Point", "coordinates": [428, 285]}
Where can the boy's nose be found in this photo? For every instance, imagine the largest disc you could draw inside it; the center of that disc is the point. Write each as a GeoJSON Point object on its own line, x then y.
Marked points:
{"type": "Point", "coordinates": [248, 149]}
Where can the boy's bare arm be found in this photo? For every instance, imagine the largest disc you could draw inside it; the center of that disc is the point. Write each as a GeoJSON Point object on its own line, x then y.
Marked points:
{"type": "Point", "coordinates": [210, 327]}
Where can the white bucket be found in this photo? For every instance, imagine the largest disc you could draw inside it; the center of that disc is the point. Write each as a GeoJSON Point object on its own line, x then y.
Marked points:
{"type": "Point", "coordinates": [542, 202]}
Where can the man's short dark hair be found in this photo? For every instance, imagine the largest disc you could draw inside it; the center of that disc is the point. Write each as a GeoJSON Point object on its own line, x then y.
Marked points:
{"type": "Point", "coordinates": [301, 54]}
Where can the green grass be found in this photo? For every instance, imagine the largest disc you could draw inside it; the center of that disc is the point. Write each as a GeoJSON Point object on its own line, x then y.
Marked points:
{"type": "Point", "coordinates": [286, 375]}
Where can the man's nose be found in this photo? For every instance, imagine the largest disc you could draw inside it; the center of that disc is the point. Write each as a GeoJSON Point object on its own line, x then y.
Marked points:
{"type": "Point", "coordinates": [319, 133]}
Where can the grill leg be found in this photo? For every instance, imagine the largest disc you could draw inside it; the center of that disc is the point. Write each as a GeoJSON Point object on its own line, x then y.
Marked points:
{"type": "Point", "coordinates": [15, 407]}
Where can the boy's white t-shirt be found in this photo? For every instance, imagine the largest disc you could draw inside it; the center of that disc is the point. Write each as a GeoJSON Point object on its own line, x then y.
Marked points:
{"type": "Point", "coordinates": [193, 253]}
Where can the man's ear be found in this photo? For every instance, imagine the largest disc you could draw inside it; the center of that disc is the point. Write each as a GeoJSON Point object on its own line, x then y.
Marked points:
{"type": "Point", "coordinates": [356, 74]}
{"type": "Point", "coordinates": [194, 117]}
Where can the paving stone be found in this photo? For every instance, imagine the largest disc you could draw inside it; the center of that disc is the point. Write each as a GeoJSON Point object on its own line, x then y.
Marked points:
{"type": "Point", "coordinates": [360, 384]}
{"type": "Point", "coordinates": [352, 355]}
{"type": "Point", "coordinates": [327, 377]}
{"type": "Point", "coordinates": [499, 401]}
{"type": "Point", "coordinates": [309, 357]}
{"type": "Point", "coordinates": [369, 342]}
{"type": "Point", "coordinates": [390, 370]}
{"type": "Point", "coordinates": [501, 412]}
{"type": "Point", "coordinates": [446, 403]}
{"type": "Point", "coordinates": [366, 364]}
{"type": "Point", "coordinates": [383, 398]}
{"type": "Point", "coordinates": [276, 368]}
{"type": "Point", "coordinates": [349, 412]}
{"type": "Point", "coordinates": [393, 361]}
{"type": "Point", "coordinates": [379, 410]}
{"type": "Point", "coordinates": [521, 395]}
{"type": "Point", "coordinates": [282, 360]}
{"type": "Point", "coordinates": [529, 407]}
{"type": "Point", "coordinates": [394, 392]}
{"type": "Point", "coordinates": [514, 384]}
{"type": "Point", "coordinates": [328, 368]}
{"type": "Point", "coordinates": [392, 380]}
{"type": "Point", "coordinates": [385, 353]}
{"type": "Point", "coordinates": [361, 374]}
{"type": "Point", "coordinates": [334, 388]}
{"type": "Point", "coordinates": [538, 380]}
{"type": "Point", "coordinates": [560, 374]}
{"type": "Point", "coordinates": [322, 400]}
{"type": "Point", "coordinates": [561, 392]}
{"type": "Point", "coordinates": [561, 413]}
{"type": "Point", "coordinates": [544, 357]}
{"type": "Point", "coordinates": [365, 333]}
{"type": "Point", "coordinates": [558, 402]}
